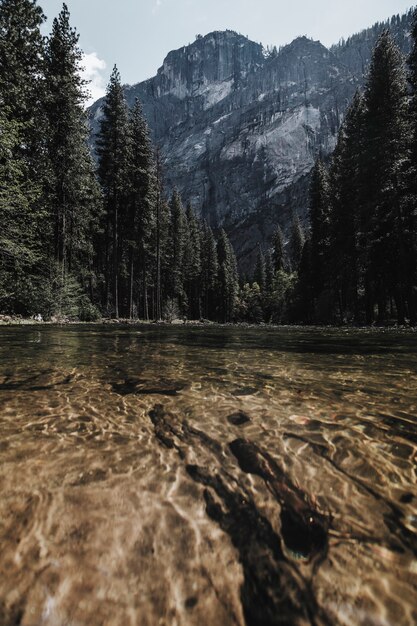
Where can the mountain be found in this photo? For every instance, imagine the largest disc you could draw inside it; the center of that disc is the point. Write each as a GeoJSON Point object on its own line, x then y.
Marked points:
{"type": "Point", "coordinates": [239, 129]}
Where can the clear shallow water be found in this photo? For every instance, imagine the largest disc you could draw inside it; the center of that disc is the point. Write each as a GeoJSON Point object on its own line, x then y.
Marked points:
{"type": "Point", "coordinates": [207, 476]}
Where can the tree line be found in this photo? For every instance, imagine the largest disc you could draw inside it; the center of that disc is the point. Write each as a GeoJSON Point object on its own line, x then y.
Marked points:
{"type": "Point", "coordinates": [360, 262]}
{"type": "Point", "coordinates": [155, 259]}
{"type": "Point", "coordinates": [357, 261]}
{"type": "Point", "coordinates": [49, 196]}
{"type": "Point", "coordinates": [81, 238]}
{"type": "Point", "coordinates": [85, 237]}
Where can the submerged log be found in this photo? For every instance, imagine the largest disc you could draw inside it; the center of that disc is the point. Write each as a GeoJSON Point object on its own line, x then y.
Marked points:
{"type": "Point", "coordinates": [275, 591]}
{"type": "Point", "coordinates": [304, 529]}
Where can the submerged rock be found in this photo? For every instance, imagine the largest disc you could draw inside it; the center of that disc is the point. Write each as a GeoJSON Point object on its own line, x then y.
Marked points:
{"type": "Point", "coordinates": [238, 419]}
{"type": "Point", "coordinates": [245, 391]}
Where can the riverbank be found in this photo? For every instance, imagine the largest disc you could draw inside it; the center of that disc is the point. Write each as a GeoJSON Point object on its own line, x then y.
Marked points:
{"type": "Point", "coordinates": [16, 320]}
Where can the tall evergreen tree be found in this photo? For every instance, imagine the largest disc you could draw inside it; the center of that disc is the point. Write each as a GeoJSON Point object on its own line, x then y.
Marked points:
{"type": "Point", "coordinates": [269, 286]}
{"type": "Point", "coordinates": [192, 269]}
{"type": "Point", "coordinates": [210, 267]}
{"type": "Point", "coordinates": [259, 275]}
{"type": "Point", "coordinates": [71, 191]}
{"type": "Point", "coordinates": [113, 153]}
{"type": "Point", "coordinates": [304, 309]}
{"type": "Point", "coordinates": [346, 186]}
{"type": "Point", "coordinates": [319, 220]}
{"type": "Point", "coordinates": [269, 272]}
{"type": "Point", "coordinates": [296, 243]}
{"type": "Point", "coordinates": [21, 75]}
{"type": "Point", "coordinates": [411, 203]}
{"type": "Point", "coordinates": [140, 224]}
{"type": "Point", "coordinates": [162, 219]}
{"type": "Point", "coordinates": [412, 78]}
{"type": "Point", "coordinates": [23, 220]}
{"type": "Point", "coordinates": [385, 154]}
{"type": "Point", "coordinates": [177, 251]}
{"type": "Point", "coordinates": [228, 281]}
{"type": "Point", "coordinates": [278, 249]}
{"type": "Point", "coordinates": [20, 246]}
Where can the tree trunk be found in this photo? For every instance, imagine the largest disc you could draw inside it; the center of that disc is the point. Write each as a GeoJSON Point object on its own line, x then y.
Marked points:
{"type": "Point", "coordinates": [369, 303]}
{"type": "Point", "coordinates": [145, 298]}
{"type": "Point", "coordinates": [116, 265]}
{"type": "Point", "coordinates": [131, 287]}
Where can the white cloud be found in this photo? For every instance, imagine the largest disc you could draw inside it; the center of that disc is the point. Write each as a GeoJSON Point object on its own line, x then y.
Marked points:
{"type": "Point", "coordinates": [92, 71]}
{"type": "Point", "coordinates": [156, 6]}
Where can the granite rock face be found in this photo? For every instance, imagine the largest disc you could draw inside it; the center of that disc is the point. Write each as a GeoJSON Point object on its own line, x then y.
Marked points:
{"type": "Point", "coordinates": [239, 131]}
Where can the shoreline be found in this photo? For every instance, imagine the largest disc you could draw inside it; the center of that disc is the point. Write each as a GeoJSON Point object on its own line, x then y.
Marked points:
{"type": "Point", "coordinates": [10, 320]}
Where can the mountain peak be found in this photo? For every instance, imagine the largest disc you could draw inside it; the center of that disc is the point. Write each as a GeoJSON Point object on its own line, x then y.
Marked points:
{"type": "Point", "coordinates": [217, 37]}
{"type": "Point", "coordinates": [212, 43]}
{"type": "Point", "coordinates": [222, 34]}
{"type": "Point", "coordinates": [303, 43]}
{"type": "Point", "coordinates": [218, 58]}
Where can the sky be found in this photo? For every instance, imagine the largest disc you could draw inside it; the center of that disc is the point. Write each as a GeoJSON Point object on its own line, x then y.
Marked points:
{"type": "Point", "coordinates": [136, 35]}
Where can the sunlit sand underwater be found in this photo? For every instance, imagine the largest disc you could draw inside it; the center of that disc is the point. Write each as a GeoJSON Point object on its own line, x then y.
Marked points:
{"type": "Point", "coordinates": [180, 476]}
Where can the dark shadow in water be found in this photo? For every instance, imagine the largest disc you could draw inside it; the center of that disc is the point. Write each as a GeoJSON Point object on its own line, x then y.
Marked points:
{"type": "Point", "coordinates": [274, 590]}
{"type": "Point", "coordinates": [24, 385]}
{"type": "Point", "coordinates": [238, 419]}
{"type": "Point", "coordinates": [304, 530]}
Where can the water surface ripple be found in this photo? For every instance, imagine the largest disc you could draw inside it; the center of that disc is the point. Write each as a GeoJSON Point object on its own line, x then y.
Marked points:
{"type": "Point", "coordinates": [186, 476]}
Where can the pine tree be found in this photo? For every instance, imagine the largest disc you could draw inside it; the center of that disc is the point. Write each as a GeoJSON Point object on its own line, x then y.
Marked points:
{"type": "Point", "coordinates": [210, 267]}
{"type": "Point", "coordinates": [21, 76]}
{"type": "Point", "coordinates": [113, 153]}
{"type": "Point", "coordinates": [412, 78]}
{"type": "Point", "coordinates": [192, 269]}
{"type": "Point", "coordinates": [269, 286]}
{"type": "Point", "coordinates": [20, 252]}
{"type": "Point", "coordinates": [319, 220]}
{"type": "Point", "coordinates": [269, 272]}
{"type": "Point", "coordinates": [410, 214]}
{"type": "Point", "coordinates": [71, 191]}
{"type": "Point", "coordinates": [304, 309]}
{"type": "Point", "coordinates": [385, 154]}
{"type": "Point", "coordinates": [23, 220]}
{"type": "Point", "coordinates": [296, 242]}
{"type": "Point", "coordinates": [140, 219]}
{"type": "Point", "coordinates": [177, 247]}
{"type": "Point", "coordinates": [346, 185]}
{"type": "Point", "coordinates": [228, 281]}
{"type": "Point", "coordinates": [278, 249]}
{"type": "Point", "coordinates": [162, 219]}
{"type": "Point", "coordinates": [259, 275]}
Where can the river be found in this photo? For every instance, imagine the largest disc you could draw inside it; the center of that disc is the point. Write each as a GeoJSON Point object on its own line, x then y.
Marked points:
{"type": "Point", "coordinates": [218, 476]}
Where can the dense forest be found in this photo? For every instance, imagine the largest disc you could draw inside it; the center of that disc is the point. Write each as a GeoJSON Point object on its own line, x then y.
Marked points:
{"type": "Point", "coordinates": [360, 263]}
{"type": "Point", "coordinates": [85, 237]}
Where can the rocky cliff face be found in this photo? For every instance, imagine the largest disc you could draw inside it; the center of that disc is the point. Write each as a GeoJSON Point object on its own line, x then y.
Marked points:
{"type": "Point", "coordinates": [239, 131]}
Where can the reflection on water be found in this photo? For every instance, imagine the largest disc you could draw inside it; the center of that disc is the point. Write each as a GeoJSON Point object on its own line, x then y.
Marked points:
{"type": "Point", "coordinates": [207, 476]}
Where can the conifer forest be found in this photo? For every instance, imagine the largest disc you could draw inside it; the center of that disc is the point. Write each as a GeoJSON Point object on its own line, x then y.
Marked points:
{"type": "Point", "coordinates": [88, 231]}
